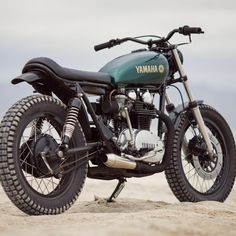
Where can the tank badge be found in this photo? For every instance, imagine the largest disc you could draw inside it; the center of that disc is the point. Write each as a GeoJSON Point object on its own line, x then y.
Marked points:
{"type": "Point", "coordinates": [150, 69]}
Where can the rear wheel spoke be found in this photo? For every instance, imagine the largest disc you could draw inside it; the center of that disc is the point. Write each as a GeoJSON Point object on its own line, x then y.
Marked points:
{"type": "Point", "coordinates": [33, 132]}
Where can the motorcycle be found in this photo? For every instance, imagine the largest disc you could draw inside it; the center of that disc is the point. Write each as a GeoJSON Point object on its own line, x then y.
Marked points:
{"type": "Point", "coordinates": [52, 141]}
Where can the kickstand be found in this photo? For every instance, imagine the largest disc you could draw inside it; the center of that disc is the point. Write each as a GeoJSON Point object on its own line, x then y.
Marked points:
{"type": "Point", "coordinates": [118, 189]}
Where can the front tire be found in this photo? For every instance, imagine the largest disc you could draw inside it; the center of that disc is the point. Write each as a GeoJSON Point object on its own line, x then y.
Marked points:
{"type": "Point", "coordinates": [193, 176]}
{"type": "Point", "coordinates": [28, 126]}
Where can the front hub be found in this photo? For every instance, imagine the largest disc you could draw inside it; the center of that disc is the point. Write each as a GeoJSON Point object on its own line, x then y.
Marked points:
{"type": "Point", "coordinates": [207, 167]}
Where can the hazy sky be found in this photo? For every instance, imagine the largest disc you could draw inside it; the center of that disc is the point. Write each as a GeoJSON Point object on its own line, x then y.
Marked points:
{"type": "Point", "coordinates": [67, 30]}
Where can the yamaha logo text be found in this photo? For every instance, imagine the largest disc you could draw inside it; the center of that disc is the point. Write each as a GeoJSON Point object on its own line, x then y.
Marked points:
{"type": "Point", "coordinates": [150, 69]}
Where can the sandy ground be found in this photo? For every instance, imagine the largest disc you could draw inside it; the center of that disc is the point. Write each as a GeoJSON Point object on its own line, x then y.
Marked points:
{"type": "Point", "coordinates": [145, 207]}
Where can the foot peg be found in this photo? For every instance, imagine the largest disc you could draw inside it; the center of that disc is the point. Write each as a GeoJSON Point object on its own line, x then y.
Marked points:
{"type": "Point", "coordinates": [118, 189]}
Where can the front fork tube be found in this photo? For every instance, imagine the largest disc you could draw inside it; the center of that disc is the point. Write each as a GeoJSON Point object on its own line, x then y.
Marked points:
{"type": "Point", "coordinates": [202, 128]}
{"type": "Point", "coordinates": [193, 105]}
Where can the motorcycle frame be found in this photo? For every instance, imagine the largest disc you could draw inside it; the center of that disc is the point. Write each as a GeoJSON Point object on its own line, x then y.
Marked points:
{"type": "Point", "coordinates": [107, 135]}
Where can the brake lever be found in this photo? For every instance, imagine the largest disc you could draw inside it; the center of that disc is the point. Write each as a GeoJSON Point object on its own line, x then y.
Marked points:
{"type": "Point", "coordinates": [190, 39]}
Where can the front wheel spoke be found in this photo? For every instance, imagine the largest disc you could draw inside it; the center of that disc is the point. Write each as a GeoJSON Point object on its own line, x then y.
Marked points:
{"type": "Point", "coordinates": [198, 181]}
{"type": "Point", "coordinates": [202, 184]}
{"type": "Point", "coordinates": [186, 157]}
{"type": "Point", "coordinates": [186, 165]}
{"type": "Point", "coordinates": [213, 181]}
{"type": "Point", "coordinates": [189, 170]}
{"type": "Point", "coordinates": [193, 175]}
{"type": "Point", "coordinates": [207, 174]}
{"type": "Point", "coordinates": [208, 185]}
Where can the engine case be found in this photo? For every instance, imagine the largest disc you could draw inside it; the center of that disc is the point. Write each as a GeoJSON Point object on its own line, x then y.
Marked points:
{"type": "Point", "coordinates": [143, 139]}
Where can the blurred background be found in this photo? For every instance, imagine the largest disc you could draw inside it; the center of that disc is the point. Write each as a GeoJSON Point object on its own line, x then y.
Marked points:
{"type": "Point", "coordinates": [66, 31]}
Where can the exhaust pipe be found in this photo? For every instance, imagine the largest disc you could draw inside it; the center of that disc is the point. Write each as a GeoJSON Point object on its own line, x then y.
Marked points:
{"type": "Point", "coordinates": [115, 161]}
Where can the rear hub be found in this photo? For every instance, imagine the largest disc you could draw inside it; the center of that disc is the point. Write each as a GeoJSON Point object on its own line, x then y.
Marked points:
{"type": "Point", "coordinates": [31, 158]}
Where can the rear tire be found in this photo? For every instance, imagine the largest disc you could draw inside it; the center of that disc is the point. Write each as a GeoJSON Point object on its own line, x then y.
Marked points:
{"type": "Point", "coordinates": [193, 177]}
{"type": "Point", "coordinates": [27, 187]}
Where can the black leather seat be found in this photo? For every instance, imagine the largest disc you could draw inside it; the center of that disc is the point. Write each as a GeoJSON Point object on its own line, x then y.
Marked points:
{"type": "Point", "coordinates": [66, 73]}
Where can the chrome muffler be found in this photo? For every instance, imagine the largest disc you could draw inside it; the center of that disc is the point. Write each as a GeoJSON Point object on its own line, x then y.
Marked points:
{"type": "Point", "coordinates": [115, 161]}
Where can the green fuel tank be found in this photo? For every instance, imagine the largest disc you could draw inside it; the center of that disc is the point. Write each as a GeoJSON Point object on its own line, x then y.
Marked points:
{"type": "Point", "coordinates": [137, 68]}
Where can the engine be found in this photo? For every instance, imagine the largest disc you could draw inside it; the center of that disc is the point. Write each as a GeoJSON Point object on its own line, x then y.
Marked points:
{"type": "Point", "coordinates": [140, 107]}
{"type": "Point", "coordinates": [132, 113]}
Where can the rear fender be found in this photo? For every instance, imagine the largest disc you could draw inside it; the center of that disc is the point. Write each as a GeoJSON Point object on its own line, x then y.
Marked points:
{"type": "Point", "coordinates": [28, 77]}
{"type": "Point", "coordinates": [36, 80]}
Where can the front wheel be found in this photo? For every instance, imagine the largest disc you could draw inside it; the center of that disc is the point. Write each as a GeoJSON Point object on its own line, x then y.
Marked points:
{"type": "Point", "coordinates": [194, 176]}
{"type": "Point", "coordinates": [30, 127]}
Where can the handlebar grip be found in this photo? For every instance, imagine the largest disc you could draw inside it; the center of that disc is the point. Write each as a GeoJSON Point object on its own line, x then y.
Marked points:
{"type": "Point", "coordinates": [109, 44]}
{"type": "Point", "coordinates": [102, 46]}
{"type": "Point", "coordinates": [186, 30]}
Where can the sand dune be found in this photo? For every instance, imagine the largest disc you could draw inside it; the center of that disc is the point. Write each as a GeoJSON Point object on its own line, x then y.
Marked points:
{"type": "Point", "coordinates": [145, 207]}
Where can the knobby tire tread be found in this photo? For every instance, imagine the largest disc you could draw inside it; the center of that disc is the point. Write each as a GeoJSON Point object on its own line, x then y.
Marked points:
{"type": "Point", "coordinates": [173, 172]}
{"type": "Point", "coordinates": [8, 176]}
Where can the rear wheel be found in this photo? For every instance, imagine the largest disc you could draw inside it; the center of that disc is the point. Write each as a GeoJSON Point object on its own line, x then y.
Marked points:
{"type": "Point", "coordinates": [194, 176]}
{"type": "Point", "coordinates": [30, 127]}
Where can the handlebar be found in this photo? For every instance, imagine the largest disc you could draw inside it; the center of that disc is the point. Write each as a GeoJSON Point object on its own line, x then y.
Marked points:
{"type": "Point", "coordinates": [185, 30]}
{"type": "Point", "coordinates": [114, 42]}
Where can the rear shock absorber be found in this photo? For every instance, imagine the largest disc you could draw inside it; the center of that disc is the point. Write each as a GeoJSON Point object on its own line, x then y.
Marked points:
{"type": "Point", "coordinates": [71, 119]}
